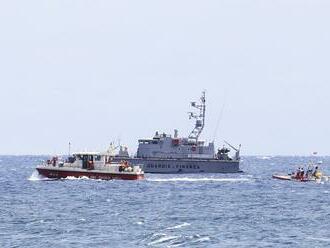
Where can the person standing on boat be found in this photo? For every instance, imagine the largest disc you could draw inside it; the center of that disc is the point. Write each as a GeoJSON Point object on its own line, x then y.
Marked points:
{"type": "Point", "coordinates": [309, 172]}
{"type": "Point", "coordinates": [297, 174]}
{"type": "Point", "coordinates": [302, 172]}
{"type": "Point", "coordinates": [317, 173]}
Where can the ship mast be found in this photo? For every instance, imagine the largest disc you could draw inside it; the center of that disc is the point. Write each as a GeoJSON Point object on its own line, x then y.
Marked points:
{"type": "Point", "coordinates": [199, 116]}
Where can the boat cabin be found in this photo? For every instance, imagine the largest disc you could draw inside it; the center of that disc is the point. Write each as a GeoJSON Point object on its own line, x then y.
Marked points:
{"type": "Point", "coordinates": [89, 160]}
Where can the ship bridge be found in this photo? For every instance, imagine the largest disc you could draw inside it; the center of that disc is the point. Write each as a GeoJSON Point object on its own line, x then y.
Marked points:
{"type": "Point", "coordinates": [165, 146]}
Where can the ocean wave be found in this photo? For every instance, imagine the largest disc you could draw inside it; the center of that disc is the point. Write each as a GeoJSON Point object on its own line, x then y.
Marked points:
{"type": "Point", "coordinates": [202, 239]}
{"type": "Point", "coordinates": [205, 179]}
{"type": "Point", "coordinates": [162, 238]}
{"type": "Point", "coordinates": [319, 239]}
{"type": "Point", "coordinates": [265, 157]}
{"type": "Point", "coordinates": [178, 226]}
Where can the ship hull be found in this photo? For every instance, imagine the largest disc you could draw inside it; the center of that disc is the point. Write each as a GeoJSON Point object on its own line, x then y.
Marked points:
{"type": "Point", "coordinates": [59, 173]}
{"type": "Point", "coordinates": [176, 166]}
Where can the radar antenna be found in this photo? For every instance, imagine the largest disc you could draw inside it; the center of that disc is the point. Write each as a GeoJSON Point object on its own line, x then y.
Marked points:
{"type": "Point", "coordinates": [199, 116]}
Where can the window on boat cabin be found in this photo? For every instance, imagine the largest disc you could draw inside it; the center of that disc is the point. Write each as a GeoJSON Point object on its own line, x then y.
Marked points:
{"type": "Point", "coordinates": [97, 158]}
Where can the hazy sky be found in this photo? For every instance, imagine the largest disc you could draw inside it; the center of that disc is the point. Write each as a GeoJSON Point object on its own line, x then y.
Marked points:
{"type": "Point", "coordinates": [92, 72]}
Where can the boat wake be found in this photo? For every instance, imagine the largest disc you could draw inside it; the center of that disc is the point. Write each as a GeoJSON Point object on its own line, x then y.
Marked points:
{"type": "Point", "coordinates": [78, 178]}
{"type": "Point", "coordinates": [37, 177]}
{"type": "Point", "coordinates": [204, 179]}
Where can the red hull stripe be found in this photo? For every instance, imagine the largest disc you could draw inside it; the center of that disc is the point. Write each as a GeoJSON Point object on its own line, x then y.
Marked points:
{"type": "Point", "coordinates": [90, 174]}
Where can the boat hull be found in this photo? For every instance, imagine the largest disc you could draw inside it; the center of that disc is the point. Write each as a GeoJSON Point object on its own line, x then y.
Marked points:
{"type": "Point", "coordinates": [59, 173]}
{"type": "Point", "coordinates": [176, 166]}
{"type": "Point", "coordinates": [289, 178]}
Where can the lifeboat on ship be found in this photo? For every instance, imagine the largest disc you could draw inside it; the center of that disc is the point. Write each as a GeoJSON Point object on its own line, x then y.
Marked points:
{"type": "Point", "coordinates": [91, 165]}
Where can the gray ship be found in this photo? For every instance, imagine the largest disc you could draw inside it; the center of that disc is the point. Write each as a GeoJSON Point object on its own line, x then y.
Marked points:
{"type": "Point", "coordinates": [166, 154]}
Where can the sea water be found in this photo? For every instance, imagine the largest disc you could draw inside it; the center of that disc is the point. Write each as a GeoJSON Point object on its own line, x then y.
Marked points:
{"type": "Point", "coordinates": [206, 210]}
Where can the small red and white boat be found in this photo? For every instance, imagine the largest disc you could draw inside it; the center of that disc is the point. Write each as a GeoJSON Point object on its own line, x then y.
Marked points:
{"type": "Point", "coordinates": [293, 178]}
{"type": "Point", "coordinates": [301, 176]}
{"type": "Point", "coordinates": [91, 165]}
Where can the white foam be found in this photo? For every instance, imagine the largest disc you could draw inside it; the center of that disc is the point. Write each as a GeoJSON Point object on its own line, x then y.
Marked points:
{"type": "Point", "coordinates": [36, 177]}
{"type": "Point", "coordinates": [76, 178]}
{"type": "Point", "coordinates": [265, 158]}
{"type": "Point", "coordinates": [178, 226]}
{"type": "Point", "coordinates": [204, 239]}
{"type": "Point", "coordinates": [205, 179]}
{"type": "Point", "coordinates": [320, 239]}
{"type": "Point", "coordinates": [163, 239]}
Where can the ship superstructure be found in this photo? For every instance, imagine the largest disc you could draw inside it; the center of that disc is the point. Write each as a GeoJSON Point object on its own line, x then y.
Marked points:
{"type": "Point", "coordinates": [166, 154]}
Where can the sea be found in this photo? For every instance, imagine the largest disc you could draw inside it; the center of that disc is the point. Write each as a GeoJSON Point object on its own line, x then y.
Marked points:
{"type": "Point", "coordinates": [249, 209]}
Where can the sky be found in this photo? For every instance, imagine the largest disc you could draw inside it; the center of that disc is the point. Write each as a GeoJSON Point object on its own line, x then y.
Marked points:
{"type": "Point", "coordinates": [91, 72]}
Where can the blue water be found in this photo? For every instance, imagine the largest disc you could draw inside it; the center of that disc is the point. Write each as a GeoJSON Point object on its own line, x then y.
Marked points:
{"type": "Point", "coordinates": [207, 210]}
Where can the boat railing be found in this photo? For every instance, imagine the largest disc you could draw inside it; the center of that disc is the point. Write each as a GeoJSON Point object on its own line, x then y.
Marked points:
{"type": "Point", "coordinates": [113, 167]}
